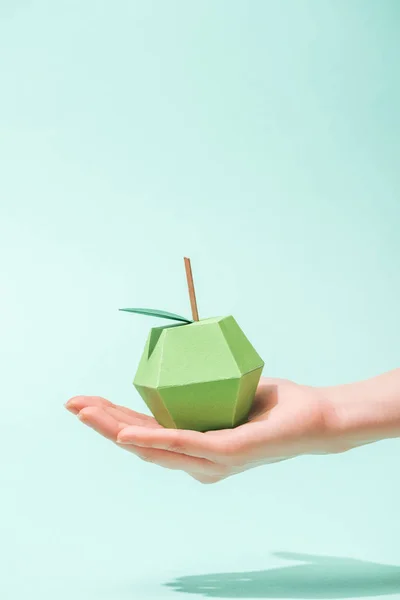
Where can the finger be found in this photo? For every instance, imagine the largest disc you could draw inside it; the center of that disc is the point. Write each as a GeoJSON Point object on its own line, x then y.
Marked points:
{"type": "Point", "coordinates": [76, 404]}
{"type": "Point", "coordinates": [212, 447]}
{"type": "Point", "coordinates": [171, 460]}
{"type": "Point", "coordinates": [130, 417]}
{"type": "Point", "coordinates": [96, 418]}
{"type": "Point", "coordinates": [134, 414]}
{"type": "Point", "coordinates": [106, 425]}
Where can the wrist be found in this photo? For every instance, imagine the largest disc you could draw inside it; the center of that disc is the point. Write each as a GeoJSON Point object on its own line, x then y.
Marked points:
{"type": "Point", "coordinates": [365, 412]}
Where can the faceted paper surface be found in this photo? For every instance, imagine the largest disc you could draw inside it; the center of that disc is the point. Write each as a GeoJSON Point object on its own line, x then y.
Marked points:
{"type": "Point", "coordinates": [199, 376]}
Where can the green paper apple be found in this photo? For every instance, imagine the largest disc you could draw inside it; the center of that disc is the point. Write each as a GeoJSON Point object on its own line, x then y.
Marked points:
{"type": "Point", "coordinates": [199, 375]}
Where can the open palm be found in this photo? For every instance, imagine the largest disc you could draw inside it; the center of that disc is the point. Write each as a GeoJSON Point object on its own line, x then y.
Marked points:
{"type": "Point", "coordinates": [286, 420]}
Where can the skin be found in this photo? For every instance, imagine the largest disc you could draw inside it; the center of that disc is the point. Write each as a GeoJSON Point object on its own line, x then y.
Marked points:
{"type": "Point", "coordinates": [287, 420]}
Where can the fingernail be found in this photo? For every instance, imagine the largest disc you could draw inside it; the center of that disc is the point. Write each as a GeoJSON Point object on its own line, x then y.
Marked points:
{"type": "Point", "coordinates": [71, 400]}
{"type": "Point", "coordinates": [83, 421]}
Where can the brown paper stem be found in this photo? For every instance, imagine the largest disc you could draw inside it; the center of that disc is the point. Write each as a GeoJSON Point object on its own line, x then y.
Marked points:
{"type": "Point", "coordinates": [192, 293]}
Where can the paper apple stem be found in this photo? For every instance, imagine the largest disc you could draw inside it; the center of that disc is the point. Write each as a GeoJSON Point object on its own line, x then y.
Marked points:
{"type": "Point", "coordinates": [192, 293]}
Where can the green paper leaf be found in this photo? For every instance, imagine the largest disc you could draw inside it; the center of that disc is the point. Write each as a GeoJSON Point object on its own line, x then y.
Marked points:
{"type": "Point", "coordinates": [161, 314]}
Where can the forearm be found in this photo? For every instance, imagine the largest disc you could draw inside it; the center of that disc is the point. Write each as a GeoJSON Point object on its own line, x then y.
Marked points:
{"type": "Point", "coordinates": [367, 411]}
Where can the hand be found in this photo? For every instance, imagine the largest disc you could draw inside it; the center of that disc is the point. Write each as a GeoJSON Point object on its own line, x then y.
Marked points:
{"type": "Point", "coordinates": [286, 420]}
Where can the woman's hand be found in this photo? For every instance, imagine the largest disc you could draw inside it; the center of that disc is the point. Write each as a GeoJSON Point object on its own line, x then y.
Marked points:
{"type": "Point", "coordinates": [286, 420]}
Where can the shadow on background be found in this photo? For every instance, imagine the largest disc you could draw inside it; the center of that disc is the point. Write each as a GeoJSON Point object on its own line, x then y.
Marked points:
{"type": "Point", "coordinates": [317, 577]}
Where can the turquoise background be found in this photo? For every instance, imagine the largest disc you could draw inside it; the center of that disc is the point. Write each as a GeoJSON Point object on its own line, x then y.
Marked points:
{"type": "Point", "coordinates": [260, 138]}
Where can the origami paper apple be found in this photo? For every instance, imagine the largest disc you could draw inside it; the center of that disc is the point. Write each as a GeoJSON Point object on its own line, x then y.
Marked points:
{"type": "Point", "coordinates": [198, 375]}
